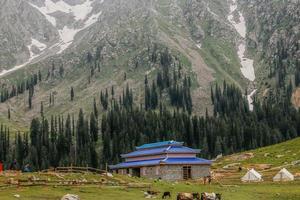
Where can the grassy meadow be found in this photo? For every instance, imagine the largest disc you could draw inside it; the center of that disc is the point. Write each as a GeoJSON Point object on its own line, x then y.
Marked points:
{"type": "Point", "coordinates": [238, 191]}
{"type": "Point", "coordinates": [267, 161]}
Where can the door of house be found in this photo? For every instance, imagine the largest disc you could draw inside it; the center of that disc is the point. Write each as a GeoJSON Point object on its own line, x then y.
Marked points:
{"type": "Point", "coordinates": [136, 172]}
{"type": "Point", "coordinates": [187, 172]}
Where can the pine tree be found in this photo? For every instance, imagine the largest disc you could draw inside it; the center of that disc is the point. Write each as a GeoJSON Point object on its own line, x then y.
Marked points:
{"type": "Point", "coordinates": [8, 113]}
{"type": "Point", "coordinates": [34, 132]}
{"type": "Point", "coordinates": [94, 127]}
{"type": "Point", "coordinates": [95, 108]}
{"type": "Point", "coordinates": [40, 75]}
{"type": "Point", "coordinates": [72, 94]}
{"type": "Point", "coordinates": [61, 70]}
{"type": "Point", "coordinates": [42, 109]}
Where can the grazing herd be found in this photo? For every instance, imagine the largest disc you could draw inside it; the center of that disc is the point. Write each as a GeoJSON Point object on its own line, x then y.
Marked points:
{"type": "Point", "coordinates": [187, 196]}
{"type": "Point", "coordinates": [197, 196]}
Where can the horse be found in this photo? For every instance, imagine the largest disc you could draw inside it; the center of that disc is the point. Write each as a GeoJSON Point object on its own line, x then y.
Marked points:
{"type": "Point", "coordinates": [210, 196]}
{"type": "Point", "coordinates": [188, 196]}
{"type": "Point", "coordinates": [166, 194]}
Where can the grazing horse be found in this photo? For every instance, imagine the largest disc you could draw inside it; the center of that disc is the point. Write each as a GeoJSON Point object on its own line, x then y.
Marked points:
{"type": "Point", "coordinates": [210, 196]}
{"type": "Point", "coordinates": [166, 194]}
{"type": "Point", "coordinates": [188, 196]}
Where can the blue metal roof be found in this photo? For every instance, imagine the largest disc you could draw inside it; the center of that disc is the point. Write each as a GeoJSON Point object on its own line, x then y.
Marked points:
{"type": "Point", "coordinates": [136, 164]}
{"type": "Point", "coordinates": [159, 144]}
{"type": "Point", "coordinates": [145, 152]}
{"type": "Point", "coordinates": [182, 149]}
{"type": "Point", "coordinates": [161, 150]}
{"type": "Point", "coordinates": [168, 161]}
{"type": "Point", "coordinates": [189, 161]}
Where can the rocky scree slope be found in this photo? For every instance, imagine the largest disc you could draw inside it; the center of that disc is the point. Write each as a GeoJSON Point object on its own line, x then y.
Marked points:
{"type": "Point", "coordinates": [121, 35]}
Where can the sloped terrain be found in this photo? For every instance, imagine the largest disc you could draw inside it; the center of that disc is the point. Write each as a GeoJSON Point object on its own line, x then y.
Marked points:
{"type": "Point", "coordinates": [120, 38]}
{"type": "Point", "coordinates": [267, 161]}
{"type": "Point", "coordinates": [91, 186]}
{"type": "Point", "coordinates": [195, 32]}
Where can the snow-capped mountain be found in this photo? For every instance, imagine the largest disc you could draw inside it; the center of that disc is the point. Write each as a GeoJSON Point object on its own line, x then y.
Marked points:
{"type": "Point", "coordinates": [34, 29]}
{"type": "Point", "coordinates": [123, 40]}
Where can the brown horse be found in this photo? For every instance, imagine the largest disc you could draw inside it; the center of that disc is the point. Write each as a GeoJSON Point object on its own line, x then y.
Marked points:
{"type": "Point", "coordinates": [188, 196]}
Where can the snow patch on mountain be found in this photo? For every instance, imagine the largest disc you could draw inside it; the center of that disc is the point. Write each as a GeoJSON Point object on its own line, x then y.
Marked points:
{"type": "Point", "coordinates": [247, 68]}
{"type": "Point", "coordinates": [80, 12]}
{"type": "Point", "coordinates": [39, 45]}
{"type": "Point", "coordinates": [44, 11]}
{"type": "Point", "coordinates": [247, 64]}
{"type": "Point", "coordinates": [250, 99]}
{"type": "Point", "coordinates": [34, 43]}
{"type": "Point", "coordinates": [240, 26]}
{"type": "Point", "coordinates": [67, 35]}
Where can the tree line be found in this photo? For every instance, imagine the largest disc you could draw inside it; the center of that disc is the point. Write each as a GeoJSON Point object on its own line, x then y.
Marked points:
{"type": "Point", "coordinates": [232, 129]}
{"type": "Point", "coordinates": [57, 142]}
{"type": "Point", "coordinates": [95, 139]}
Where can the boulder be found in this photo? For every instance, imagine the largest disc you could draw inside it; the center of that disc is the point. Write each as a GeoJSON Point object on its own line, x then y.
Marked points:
{"type": "Point", "coordinates": [70, 197]}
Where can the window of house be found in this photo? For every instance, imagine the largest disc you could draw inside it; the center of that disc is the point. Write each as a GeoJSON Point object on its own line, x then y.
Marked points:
{"type": "Point", "coordinates": [187, 172]}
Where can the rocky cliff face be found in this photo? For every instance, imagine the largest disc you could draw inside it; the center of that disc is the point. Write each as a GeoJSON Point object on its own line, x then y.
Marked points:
{"type": "Point", "coordinates": [274, 34]}
{"type": "Point", "coordinates": [23, 31]}
{"type": "Point", "coordinates": [273, 22]}
{"type": "Point", "coordinates": [39, 34]}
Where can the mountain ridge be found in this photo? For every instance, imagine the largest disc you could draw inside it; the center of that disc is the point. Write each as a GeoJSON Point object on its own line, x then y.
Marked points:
{"type": "Point", "coordinates": [198, 33]}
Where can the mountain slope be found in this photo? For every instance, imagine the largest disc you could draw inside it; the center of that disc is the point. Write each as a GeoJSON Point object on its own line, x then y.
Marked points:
{"type": "Point", "coordinates": [274, 37]}
{"type": "Point", "coordinates": [66, 40]}
{"type": "Point", "coordinates": [282, 154]}
{"type": "Point", "coordinates": [21, 26]}
{"type": "Point", "coordinates": [195, 32]}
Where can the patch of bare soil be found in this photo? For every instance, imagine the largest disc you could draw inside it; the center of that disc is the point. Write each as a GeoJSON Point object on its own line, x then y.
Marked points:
{"type": "Point", "coordinates": [296, 98]}
{"type": "Point", "coordinates": [241, 157]}
{"type": "Point", "coordinates": [232, 165]}
{"type": "Point", "coordinates": [260, 166]}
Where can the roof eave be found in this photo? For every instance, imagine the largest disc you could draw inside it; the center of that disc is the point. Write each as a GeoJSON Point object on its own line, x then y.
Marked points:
{"type": "Point", "coordinates": [165, 152]}
{"type": "Point", "coordinates": [167, 144]}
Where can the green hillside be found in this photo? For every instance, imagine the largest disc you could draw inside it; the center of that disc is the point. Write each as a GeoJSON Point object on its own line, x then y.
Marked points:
{"type": "Point", "coordinates": [226, 181]}
{"type": "Point", "coordinates": [53, 186]}
{"type": "Point", "coordinates": [277, 155]}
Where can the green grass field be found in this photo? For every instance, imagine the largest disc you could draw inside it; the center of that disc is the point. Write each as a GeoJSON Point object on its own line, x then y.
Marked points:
{"type": "Point", "coordinates": [239, 191]}
{"type": "Point", "coordinates": [227, 181]}
{"type": "Point", "coordinates": [283, 154]}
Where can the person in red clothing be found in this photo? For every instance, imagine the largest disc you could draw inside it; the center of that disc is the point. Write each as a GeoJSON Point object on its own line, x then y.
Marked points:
{"type": "Point", "coordinates": [1, 167]}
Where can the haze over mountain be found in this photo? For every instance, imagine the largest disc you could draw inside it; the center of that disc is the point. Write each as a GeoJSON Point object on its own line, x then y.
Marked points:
{"type": "Point", "coordinates": [213, 40]}
{"type": "Point", "coordinates": [83, 81]}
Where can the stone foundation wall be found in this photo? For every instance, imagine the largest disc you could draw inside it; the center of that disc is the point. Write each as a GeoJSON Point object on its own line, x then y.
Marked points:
{"type": "Point", "coordinates": [153, 172]}
{"type": "Point", "coordinates": [200, 171]}
{"type": "Point", "coordinates": [174, 172]}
